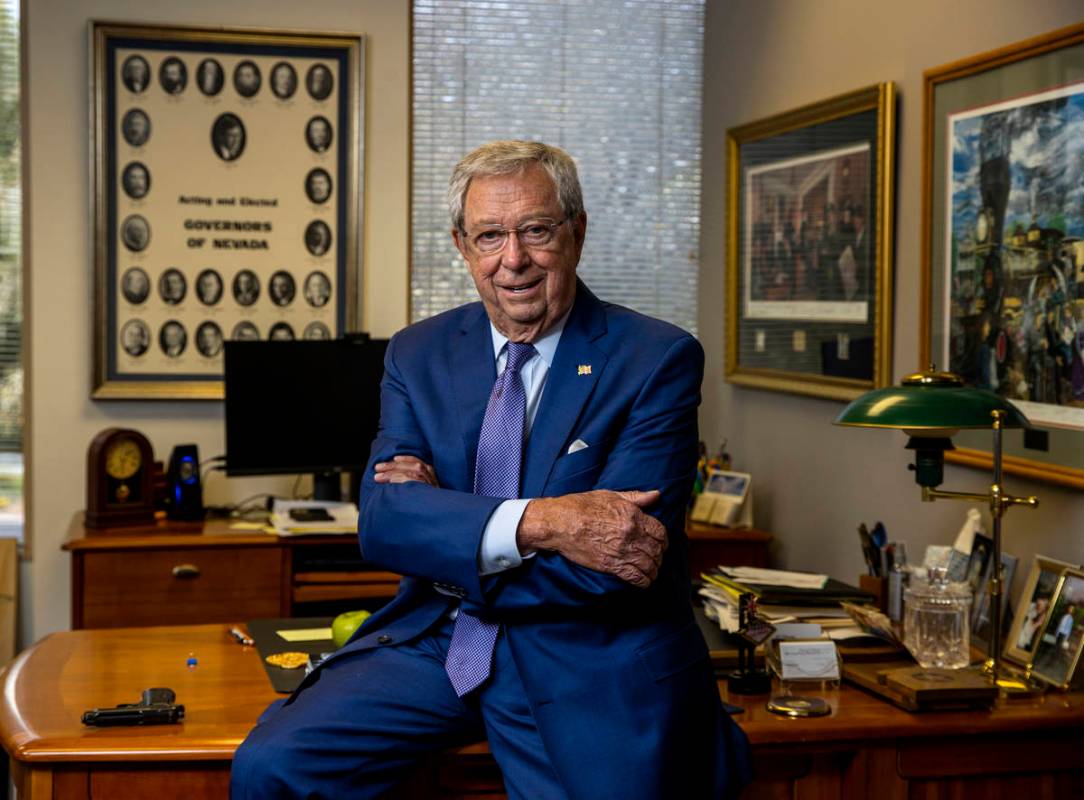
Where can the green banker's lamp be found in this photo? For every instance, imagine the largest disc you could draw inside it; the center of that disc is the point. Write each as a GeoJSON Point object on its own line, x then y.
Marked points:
{"type": "Point", "coordinates": [931, 407]}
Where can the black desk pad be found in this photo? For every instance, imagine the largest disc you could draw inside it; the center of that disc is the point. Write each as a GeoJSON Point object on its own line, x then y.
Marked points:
{"type": "Point", "coordinates": [268, 642]}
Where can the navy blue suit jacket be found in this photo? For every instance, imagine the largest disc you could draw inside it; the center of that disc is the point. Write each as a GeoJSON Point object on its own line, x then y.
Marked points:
{"type": "Point", "coordinates": [618, 678]}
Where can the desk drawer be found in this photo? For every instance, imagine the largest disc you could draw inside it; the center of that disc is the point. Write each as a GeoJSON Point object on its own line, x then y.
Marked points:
{"type": "Point", "coordinates": [181, 586]}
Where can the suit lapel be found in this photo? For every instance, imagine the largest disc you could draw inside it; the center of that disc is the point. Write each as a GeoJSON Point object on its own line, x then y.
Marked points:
{"type": "Point", "coordinates": [473, 372]}
{"type": "Point", "coordinates": [567, 389]}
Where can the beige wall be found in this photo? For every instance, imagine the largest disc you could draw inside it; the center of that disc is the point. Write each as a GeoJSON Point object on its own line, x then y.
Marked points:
{"type": "Point", "coordinates": [815, 482]}
{"type": "Point", "coordinates": [62, 417]}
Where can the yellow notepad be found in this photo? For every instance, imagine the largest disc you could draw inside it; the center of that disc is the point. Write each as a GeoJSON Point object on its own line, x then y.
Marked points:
{"type": "Point", "coordinates": [305, 634]}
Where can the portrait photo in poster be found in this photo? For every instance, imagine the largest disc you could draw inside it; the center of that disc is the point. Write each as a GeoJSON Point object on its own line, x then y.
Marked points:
{"type": "Point", "coordinates": [1014, 283]}
{"type": "Point", "coordinates": [227, 198]}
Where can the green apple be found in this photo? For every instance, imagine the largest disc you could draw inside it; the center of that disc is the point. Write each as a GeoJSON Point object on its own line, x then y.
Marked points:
{"type": "Point", "coordinates": [344, 625]}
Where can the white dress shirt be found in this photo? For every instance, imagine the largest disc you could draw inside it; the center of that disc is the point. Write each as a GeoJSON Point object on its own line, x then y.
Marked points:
{"type": "Point", "coordinates": [498, 551]}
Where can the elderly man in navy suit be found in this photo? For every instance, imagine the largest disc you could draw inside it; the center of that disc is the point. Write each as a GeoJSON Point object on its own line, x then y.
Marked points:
{"type": "Point", "coordinates": [535, 455]}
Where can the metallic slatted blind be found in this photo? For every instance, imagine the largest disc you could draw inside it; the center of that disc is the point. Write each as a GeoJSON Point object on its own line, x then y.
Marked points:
{"type": "Point", "coordinates": [11, 377]}
{"type": "Point", "coordinates": [617, 84]}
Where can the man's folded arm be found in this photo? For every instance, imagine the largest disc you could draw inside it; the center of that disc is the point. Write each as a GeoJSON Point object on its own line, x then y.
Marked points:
{"type": "Point", "coordinates": [421, 530]}
{"type": "Point", "coordinates": [657, 449]}
{"type": "Point", "coordinates": [414, 528]}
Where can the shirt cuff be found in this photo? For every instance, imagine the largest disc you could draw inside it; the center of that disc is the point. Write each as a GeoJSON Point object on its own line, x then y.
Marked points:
{"type": "Point", "coordinates": [498, 551]}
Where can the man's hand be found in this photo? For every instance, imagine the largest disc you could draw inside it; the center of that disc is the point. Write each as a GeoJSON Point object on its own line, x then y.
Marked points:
{"type": "Point", "coordinates": [602, 530]}
{"type": "Point", "coordinates": [405, 468]}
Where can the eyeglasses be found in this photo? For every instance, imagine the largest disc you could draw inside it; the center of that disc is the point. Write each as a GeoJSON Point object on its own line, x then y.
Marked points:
{"type": "Point", "coordinates": [535, 233]}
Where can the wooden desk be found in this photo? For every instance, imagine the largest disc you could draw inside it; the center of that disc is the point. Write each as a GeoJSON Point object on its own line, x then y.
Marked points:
{"type": "Point", "coordinates": [1026, 748]}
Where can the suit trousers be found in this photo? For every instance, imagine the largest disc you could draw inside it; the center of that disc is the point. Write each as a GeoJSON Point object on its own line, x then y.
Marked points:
{"type": "Point", "coordinates": [372, 715]}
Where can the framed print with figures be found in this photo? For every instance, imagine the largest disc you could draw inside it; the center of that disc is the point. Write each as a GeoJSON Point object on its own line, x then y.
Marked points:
{"type": "Point", "coordinates": [1003, 244]}
{"type": "Point", "coordinates": [809, 247]}
{"type": "Point", "coordinates": [226, 184]}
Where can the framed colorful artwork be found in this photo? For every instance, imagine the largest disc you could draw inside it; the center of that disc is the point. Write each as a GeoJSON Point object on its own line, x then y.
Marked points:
{"type": "Point", "coordinates": [1003, 243]}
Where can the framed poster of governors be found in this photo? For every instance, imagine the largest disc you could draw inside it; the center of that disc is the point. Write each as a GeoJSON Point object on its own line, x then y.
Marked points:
{"type": "Point", "coordinates": [809, 247]}
{"type": "Point", "coordinates": [226, 178]}
{"type": "Point", "coordinates": [1003, 244]}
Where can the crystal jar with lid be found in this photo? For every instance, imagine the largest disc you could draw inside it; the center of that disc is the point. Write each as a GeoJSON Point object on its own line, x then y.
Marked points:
{"type": "Point", "coordinates": [936, 621]}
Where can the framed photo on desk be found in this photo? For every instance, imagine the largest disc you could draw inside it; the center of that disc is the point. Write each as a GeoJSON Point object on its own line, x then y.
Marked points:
{"type": "Point", "coordinates": [1033, 608]}
{"type": "Point", "coordinates": [1057, 653]}
{"type": "Point", "coordinates": [725, 500]}
{"type": "Point", "coordinates": [226, 185]}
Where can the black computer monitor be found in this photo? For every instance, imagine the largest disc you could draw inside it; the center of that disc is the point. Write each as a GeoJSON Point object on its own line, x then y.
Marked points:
{"type": "Point", "coordinates": [302, 406]}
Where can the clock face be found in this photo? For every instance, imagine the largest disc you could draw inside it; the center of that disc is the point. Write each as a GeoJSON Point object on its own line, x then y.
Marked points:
{"type": "Point", "coordinates": [123, 459]}
{"type": "Point", "coordinates": [120, 480]}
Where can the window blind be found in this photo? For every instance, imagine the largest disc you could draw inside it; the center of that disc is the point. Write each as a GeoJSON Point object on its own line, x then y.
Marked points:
{"type": "Point", "coordinates": [11, 379]}
{"type": "Point", "coordinates": [615, 83]}
{"type": "Point", "coordinates": [11, 318]}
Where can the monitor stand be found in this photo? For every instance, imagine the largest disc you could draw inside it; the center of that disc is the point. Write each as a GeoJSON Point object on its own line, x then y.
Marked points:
{"type": "Point", "coordinates": [327, 486]}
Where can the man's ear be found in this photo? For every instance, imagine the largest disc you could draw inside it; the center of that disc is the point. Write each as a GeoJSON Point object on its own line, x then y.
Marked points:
{"type": "Point", "coordinates": [460, 242]}
{"type": "Point", "coordinates": [579, 231]}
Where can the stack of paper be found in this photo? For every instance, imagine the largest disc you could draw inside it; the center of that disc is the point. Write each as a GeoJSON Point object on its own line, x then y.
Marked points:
{"type": "Point", "coordinates": [781, 597]}
{"type": "Point", "coordinates": [344, 518]}
{"type": "Point", "coordinates": [775, 577]}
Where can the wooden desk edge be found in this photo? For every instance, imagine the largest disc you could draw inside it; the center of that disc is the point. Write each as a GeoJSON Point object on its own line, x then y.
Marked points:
{"type": "Point", "coordinates": [29, 747]}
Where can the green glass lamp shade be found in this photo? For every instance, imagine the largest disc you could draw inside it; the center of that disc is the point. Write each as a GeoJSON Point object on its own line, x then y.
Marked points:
{"type": "Point", "coordinates": [930, 404]}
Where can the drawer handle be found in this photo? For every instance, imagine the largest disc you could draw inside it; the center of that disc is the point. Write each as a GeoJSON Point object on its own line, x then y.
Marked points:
{"type": "Point", "coordinates": [186, 571]}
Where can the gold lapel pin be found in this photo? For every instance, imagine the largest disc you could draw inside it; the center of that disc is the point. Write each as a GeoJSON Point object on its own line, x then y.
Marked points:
{"type": "Point", "coordinates": [583, 369]}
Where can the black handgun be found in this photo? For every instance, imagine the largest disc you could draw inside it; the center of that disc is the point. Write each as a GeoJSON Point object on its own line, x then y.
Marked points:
{"type": "Point", "coordinates": [156, 708]}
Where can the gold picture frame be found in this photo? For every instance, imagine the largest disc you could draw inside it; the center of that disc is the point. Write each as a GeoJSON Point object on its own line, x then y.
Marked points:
{"type": "Point", "coordinates": [1033, 608]}
{"type": "Point", "coordinates": [810, 225]}
{"type": "Point", "coordinates": [226, 175]}
{"type": "Point", "coordinates": [986, 234]}
{"type": "Point", "coordinates": [1057, 653]}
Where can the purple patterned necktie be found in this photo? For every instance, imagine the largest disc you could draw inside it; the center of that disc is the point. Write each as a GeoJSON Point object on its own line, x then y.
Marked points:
{"type": "Point", "coordinates": [496, 474]}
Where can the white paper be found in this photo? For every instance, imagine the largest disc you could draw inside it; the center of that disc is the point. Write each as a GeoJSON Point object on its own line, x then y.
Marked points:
{"type": "Point", "coordinates": [776, 577]}
{"type": "Point", "coordinates": [797, 630]}
{"type": "Point", "coordinates": [808, 661]}
{"type": "Point", "coordinates": [344, 517]}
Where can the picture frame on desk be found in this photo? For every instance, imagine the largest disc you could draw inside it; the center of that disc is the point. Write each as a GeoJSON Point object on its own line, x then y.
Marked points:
{"type": "Point", "coordinates": [226, 178]}
{"type": "Point", "coordinates": [725, 501]}
{"type": "Point", "coordinates": [809, 247]}
{"type": "Point", "coordinates": [1033, 608]}
{"type": "Point", "coordinates": [981, 632]}
{"type": "Point", "coordinates": [1003, 245]}
{"type": "Point", "coordinates": [1057, 653]}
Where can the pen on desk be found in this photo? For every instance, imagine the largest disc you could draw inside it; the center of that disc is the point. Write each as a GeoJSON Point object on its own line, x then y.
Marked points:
{"type": "Point", "coordinates": [241, 636]}
{"type": "Point", "coordinates": [869, 553]}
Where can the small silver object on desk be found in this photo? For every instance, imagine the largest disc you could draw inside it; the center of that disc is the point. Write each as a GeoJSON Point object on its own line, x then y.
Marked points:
{"type": "Point", "coordinates": [792, 705]}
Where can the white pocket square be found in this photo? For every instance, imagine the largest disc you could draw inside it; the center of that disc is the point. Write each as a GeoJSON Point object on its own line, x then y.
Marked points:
{"type": "Point", "coordinates": [576, 446]}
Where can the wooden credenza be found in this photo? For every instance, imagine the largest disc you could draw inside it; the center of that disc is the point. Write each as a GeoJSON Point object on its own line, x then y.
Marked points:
{"type": "Point", "coordinates": [180, 573]}
{"type": "Point", "coordinates": [176, 573]}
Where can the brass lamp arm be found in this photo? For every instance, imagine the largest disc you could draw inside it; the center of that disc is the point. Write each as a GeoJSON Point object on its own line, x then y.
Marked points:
{"type": "Point", "coordinates": [929, 495]}
{"type": "Point", "coordinates": [998, 500]}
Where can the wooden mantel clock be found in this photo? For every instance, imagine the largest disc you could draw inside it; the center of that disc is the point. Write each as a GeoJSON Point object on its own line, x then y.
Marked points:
{"type": "Point", "coordinates": [120, 472]}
